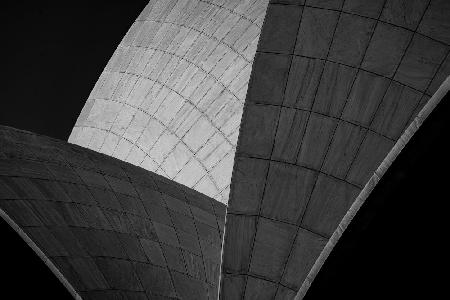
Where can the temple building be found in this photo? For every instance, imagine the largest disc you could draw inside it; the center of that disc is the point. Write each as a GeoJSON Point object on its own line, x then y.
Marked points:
{"type": "Point", "coordinates": [227, 145]}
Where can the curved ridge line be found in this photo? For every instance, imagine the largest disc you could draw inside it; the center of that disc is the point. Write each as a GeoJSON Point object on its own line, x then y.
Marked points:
{"type": "Point", "coordinates": [233, 11]}
{"type": "Point", "coordinates": [371, 184]}
{"type": "Point", "coordinates": [165, 157]}
{"type": "Point", "coordinates": [219, 41]}
{"type": "Point", "coordinates": [187, 100]}
{"type": "Point", "coordinates": [225, 137]}
{"type": "Point", "coordinates": [183, 58]}
{"type": "Point", "coordinates": [41, 254]}
{"type": "Point", "coordinates": [152, 117]}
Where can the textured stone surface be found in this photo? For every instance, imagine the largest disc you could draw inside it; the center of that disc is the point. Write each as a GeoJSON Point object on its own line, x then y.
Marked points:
{"type": "Point", "coordinates": [112, 229]}
{"type": "Point", "coordinates": [316, 125]}
{"type": "Point", "coordinates": [170, 99]}
{"type": "Point", "coordinates": [334, 84]}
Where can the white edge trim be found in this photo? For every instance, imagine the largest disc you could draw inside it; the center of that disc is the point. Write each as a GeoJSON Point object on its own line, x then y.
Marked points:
{"type": "Point", "coordinates": [41, 254]}
{"type": "Point", "coordinates": [372, 182]}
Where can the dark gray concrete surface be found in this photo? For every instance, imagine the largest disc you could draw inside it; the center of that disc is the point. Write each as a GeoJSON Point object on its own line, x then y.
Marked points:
{"type": "Point", "coordinates": [334, 85]}
{"type": "Point", "coordinates": [109, 230]}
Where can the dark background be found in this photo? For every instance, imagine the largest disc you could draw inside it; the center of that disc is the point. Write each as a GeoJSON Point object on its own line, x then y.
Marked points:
{"type": "Point", "coordinates": [54, 54]}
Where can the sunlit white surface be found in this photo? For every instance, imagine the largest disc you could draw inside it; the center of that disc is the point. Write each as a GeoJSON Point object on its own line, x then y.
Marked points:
{"type": "Point", "coordinates": [171, 97]}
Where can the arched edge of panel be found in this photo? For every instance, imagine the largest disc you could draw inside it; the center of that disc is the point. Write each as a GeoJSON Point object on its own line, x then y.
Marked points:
{"type": "Point", "coordinates": [372, 182]}
{"type": "Point", "coordinates": [41, 254]}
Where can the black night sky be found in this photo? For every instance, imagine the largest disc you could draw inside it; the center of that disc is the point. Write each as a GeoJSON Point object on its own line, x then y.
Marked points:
{"type": "Point", "coordinates": [54, 54]}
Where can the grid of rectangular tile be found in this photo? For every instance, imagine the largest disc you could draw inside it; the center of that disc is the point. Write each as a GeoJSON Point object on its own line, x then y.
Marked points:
{"type": "Point", "coordinates": [170, 99]}
{"type": "Point", "coordinates": [333, 85]}
{"type": "Point", "coordinates": [112, 229]}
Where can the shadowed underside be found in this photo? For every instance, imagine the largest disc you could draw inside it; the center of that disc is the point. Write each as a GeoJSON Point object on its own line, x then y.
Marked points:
{"type": "Point", "coordinates": [333, 86]}
{"type": "Point", "coordinates": [109, 230]}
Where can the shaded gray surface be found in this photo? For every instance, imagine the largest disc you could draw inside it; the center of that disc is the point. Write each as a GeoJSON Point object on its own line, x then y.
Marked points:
{"type": "Point", "coordinates": [334, 84]}
{"type": "Point", "coordinates": [111, 229]}
{"type": "Point", "coordinates": [373, 181]}
{"type": "Point", "coordinates": [323, 109]}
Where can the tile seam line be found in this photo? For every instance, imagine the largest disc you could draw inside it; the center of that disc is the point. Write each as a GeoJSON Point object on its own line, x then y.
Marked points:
{"type": "Point", "coordinates": [225, 137]}
{"type": "Point", "coordinates": [40, 254]}
{"type": "Point", "coordinates": [198, 236]}
{"type": "Point", "coordinates": [403, 127]}
{"type": "Point", "coordinates": [373, 181]}
{"type": "Point", "coordinates": [81, 182]}
{"type": "Point", "coordinates": [137, 236]}
{"type": "Point", "coordinates": [337, 119]}
{"type": "Point", "coordinates": [186, 100]}
{"type": "Point", "coordinates": [166, 129]}
{"type": "Point", "coordinates": [326, 60]}
{"type": "Point", "coordinates": [358, 68]}
{"type": "Point", "coordinates": [152, 222]}
{"type": "Point", "coordinates": [116, 233]}
{"type": "Point", "coordinates": [260, 202]}
{"type": "Point", "coordinates": [118, 240]}
{"type": "Point", "coordinates": [291, 57]}
{"type": "Point", "coordinates": [336, 126]}
{"type": "Point", "coordinates": [131, 261]}
{"type": "Point", "coordinates": [114, 90]}
{"type": "Point", "coordinates": [73, 169]}
{"type": "Point", "coordinates": [106, 208]}
{"type": "Point", "coordinates": [239, 129]}
{"type": "Point", "coordinates": [182, 58]}
{"type": "Point", "coordinates": [411, 118]}
{"type": "Point", "coordinates": [308, 200]}
{"type": "Point", "coordinates": [207, 73]}
{"type": "Point", "coordinates": [366, 17]}
{"type": "Point", "coordinates": [372, 118]}
{"type": "Point", "coordinates": [314, 100]}
{"type": "Point", "coordinates": [193, 107]}
{"type": "Point", "coordinates": [90, 228]}
{"type": "Point", "coordinates": [384, 94]}
{"type": "Point", "coordinates": [207, 172]}
{"type": "Point", "coordinates": [244, 155]}
{"type": "Point", "coordinates": [280, 221]}
{"type": "Point", "coordinates": [232, 11]}
{"type": "Point", "coordinates": [169, 270]}
{"type": "Point", "coordinates": [160, 74]}
{"type": "Point", "coordinates": [254, 275]}
{"type": "Point", "coordinates": [219, 41]}
{"type": "Point", "coordinates": [116, 257]}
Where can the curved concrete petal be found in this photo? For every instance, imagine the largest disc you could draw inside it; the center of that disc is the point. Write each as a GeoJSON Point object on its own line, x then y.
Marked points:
{"type": "Point", "coordinates": [334, 84]}
{"type": "Point", "coordinates": [372, 182]}
{"type": "Point", "coordinates": [170, 99]}
{"type": "Point", "coordinates": [331, 92]}
{"type": "Point", "coordinates": [106, 228]}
